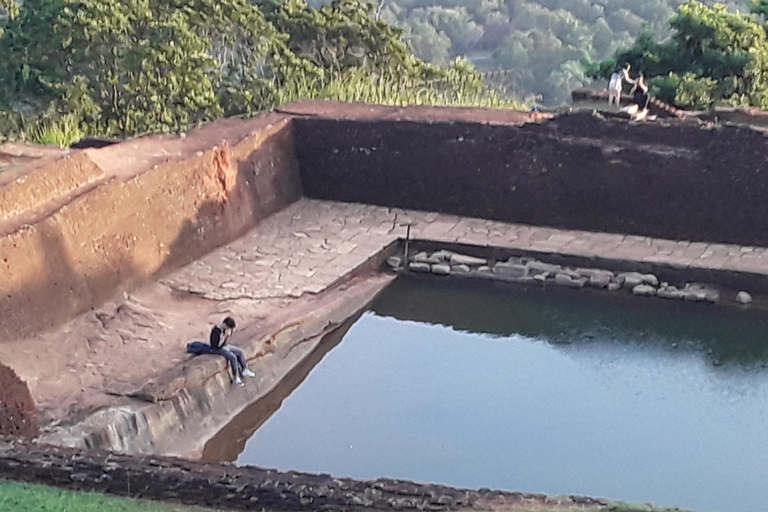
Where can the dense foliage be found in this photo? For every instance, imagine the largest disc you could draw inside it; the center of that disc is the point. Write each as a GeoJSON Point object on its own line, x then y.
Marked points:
{"type": "Point", "coordinates": [540, 43]}
{"type": "Point", "coordinates": [714, 56]}
{"type": "Point", "coordinates": [123, 67]}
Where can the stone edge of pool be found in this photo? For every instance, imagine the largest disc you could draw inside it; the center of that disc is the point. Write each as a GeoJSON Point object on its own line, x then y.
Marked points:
{"type": "Point", "coordinates": [178, 418]}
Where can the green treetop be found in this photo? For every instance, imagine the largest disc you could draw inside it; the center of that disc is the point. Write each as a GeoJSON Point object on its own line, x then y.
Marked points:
{"type": "Point", "coordinates": [715, 56]}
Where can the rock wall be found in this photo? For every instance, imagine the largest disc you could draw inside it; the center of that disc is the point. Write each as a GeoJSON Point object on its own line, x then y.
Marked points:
{"type": "Point", "coordinates": [83, 227]}
{"type": "Point", "coordinates": [18, 416]}
{"type": "Point", "coordinates": [228, 487]}
{"type": "Point", "coordinates": [671, 179]}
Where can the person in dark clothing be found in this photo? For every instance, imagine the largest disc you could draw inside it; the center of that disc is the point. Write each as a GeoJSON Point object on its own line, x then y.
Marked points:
{"type": "Point", "coordinates": [219, 337]}
{"type": "Point", "coordinates": [640, 93]}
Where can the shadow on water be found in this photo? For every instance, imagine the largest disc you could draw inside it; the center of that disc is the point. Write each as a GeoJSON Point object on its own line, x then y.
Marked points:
{"type": "Point", "coordinates": [230, 441]}
{"type": "Point", "coordinates": [722, 335]}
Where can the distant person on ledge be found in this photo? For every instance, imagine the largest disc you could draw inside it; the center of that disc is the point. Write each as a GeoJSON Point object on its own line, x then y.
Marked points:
{"type": "Point", "coordinates": [640, 93]}
{"type": "Point", "coordinates": [219, 336]}
{"type": "Point", "coordinates": [616, 84]}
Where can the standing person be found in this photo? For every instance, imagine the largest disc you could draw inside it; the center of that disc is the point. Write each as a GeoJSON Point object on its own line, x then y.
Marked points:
{"type": "Point", "coordinates": [219, 336]}
{"type": "Point", "coordinates": [640, 93]}
{"type": "Point", "coordinates": [616, 84]}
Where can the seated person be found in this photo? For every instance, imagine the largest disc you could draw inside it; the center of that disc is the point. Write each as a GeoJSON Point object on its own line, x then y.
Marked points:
{"type": "Point", "coordinates": [218, 345]}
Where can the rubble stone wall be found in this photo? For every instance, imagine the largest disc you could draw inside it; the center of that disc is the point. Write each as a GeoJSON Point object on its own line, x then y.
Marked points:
{"type": "Point", "coordinates": [673, 179]}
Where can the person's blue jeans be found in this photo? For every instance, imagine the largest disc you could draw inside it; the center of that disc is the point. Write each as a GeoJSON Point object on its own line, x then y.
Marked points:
{"type": "Point", "coordinates": [234, 356]}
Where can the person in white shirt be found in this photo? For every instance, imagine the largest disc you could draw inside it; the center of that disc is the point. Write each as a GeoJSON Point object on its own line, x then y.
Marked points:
{"type": "Point", "coordinates": [616, 84]}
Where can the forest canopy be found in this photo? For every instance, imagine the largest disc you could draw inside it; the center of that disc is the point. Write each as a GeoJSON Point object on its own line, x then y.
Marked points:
{"type": "Point", "coordinates": [125, 67]}
{"type": "Point", "coordinates": [714, 56]}
{"type": "Point", "coordinates": [539, 44]}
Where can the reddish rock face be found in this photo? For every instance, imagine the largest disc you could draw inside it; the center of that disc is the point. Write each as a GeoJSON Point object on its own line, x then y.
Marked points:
{"type": "Point", "coordinates": [18, 415]}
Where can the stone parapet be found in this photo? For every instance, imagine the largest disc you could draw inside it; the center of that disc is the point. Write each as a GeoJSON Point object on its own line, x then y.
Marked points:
{"type": "Point", "coordinates": [132, 212]}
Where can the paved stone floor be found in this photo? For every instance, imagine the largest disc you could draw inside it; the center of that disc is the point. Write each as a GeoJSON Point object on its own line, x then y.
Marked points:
{"type": "Point", "coordinates": [300, 250]}
{"type": "Point", "coordinates": [308, 246]}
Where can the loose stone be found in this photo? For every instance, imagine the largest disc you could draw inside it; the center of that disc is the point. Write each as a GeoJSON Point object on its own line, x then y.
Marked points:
{"type": "Point", "coordinates": [600, 279]}
{"type": "Point", "coordinates": [395, 262]}
{"type": "Point", "coordinates": [463, 259]}
{"type": "Point", "coordinates": [537, 267]}
{"type": "Point", "coordinates": [420, 257]}
{"type": "Point", "coordinates": [442, 256]}
{"type": "Point", "coordinates": [644, 290]}
{"type": "Point", "coordinates": [460, 269]}
{"type": "Point", "coordinates": [614, 286]}
{"type": "Point", "coordinates": [650, 279]}
{"type": "Point", "coordinates": [670, 292]}
{"type": "Point", "coordinates": [418, 266]}
{"type": "Point", "coordinates": [743, 297]}
{"type": "Point", "coordinates": [631, 279]}
{"type": "Point", "coordinates": [695, 296]}
{"type": "Point", "coordinates": [566, 280]}
{"type": "Point", "coordinates": [441, 269]}
{"type": "Point", "coordinates": [510, 269]}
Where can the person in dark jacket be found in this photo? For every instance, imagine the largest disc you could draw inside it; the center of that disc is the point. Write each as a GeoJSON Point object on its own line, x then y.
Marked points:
{"type": "Point", "coordinates": [219, 345]}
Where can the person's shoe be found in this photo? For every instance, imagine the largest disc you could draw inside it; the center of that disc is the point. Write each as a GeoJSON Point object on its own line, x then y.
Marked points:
{"type": "Point", "coordinates": [249, 373]}
{"type": "Point", "coordinates": [238, 381]}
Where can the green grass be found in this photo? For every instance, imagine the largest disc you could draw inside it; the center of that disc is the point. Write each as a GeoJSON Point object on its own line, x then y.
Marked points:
{"type": "Point", "coordinates": [62, 132]}
{"type": "Point", "coordinates": [17, 497]}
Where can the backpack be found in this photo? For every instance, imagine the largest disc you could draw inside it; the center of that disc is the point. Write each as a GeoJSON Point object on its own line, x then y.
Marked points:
{"type": "Point", "coordinates": [198, 348]}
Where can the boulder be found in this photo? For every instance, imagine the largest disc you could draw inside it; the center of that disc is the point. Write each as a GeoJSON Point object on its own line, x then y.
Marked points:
{"type": "Point", "coordinates": [442, 256]}
{"type": "Point", "coordinates": [395, 262]}
{"type": "Point", "coordinates": [540, 268]}
{"type": "Point", "coordinates": [743, 298]}
{"type": "Point", "coordinates": [419, 266]}
{"type": "Point", "coordinates": [460, 269]}
{"type": "Point", "coordinates": [510, 269]}
{"type": "Point", "coordinates": [644, 290]}
{"type": "Point", "coordinates": [600, 278]}
{"type": "Point", "coordinates": [463, 259]}
{"type": "Point", "coordinates": [441, 269]}
{"type": "Point", "coordinates": [420, 257]}
{"type": "Point", "coordinates": [613, 286]}
{"type": "Point", "coordinates": [563, 279]}
{"type": "Point", "coordinates": [631, 279]}
{"type": "Point", "coordinates": [670, 292]}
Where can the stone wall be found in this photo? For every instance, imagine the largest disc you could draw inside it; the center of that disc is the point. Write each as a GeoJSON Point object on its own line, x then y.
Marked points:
{"type": "Point", "coordinates": [85, 226]}
{"type": "Point", "coordinates": [672, 179]}
{"type": "Point", "coordinates": [228, 487]}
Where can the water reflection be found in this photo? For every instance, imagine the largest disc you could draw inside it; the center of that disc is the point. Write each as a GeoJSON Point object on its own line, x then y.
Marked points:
{"type": "Point", "coordinates": [230, 441]}
{"type": "Point", "coordinates": [564, 317]}
{"type": "Point", "coordinates": [551, 391]}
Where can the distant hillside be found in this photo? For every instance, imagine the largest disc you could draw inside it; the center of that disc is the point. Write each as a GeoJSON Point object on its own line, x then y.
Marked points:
{"type": "Point", "coordinates": [540, 42]}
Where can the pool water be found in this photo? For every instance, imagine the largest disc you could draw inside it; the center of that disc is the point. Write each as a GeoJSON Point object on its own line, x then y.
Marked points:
{"type": "Point", "coordinates": [555, 391]}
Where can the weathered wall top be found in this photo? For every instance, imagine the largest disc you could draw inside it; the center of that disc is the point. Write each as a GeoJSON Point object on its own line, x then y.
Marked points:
{"type": "Point", "coordinates": [78, 225]}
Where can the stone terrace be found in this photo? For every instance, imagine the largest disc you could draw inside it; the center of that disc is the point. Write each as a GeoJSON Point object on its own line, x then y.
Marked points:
{"type": "Point", "coordinates": [293, 255]}
{"type": "Point", "coordinates": [309, 245]}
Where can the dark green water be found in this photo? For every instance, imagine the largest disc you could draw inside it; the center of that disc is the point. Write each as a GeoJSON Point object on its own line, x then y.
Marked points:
{"type": "Point", "coordinates": [555, 391]}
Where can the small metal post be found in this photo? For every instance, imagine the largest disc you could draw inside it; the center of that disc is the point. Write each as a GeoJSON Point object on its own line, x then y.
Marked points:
{"type": "Point", "coordinates": [407, 243]}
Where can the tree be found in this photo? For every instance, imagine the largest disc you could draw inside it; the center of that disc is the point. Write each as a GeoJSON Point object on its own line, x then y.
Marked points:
{"type": "Point", "coordinates": [124, 66]}
{"type": "Point", "coordinates": [714, 56]}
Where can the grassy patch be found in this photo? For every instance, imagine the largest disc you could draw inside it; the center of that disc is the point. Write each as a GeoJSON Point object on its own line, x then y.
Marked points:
{"type": "Point", "coordinates": [17, 497]}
